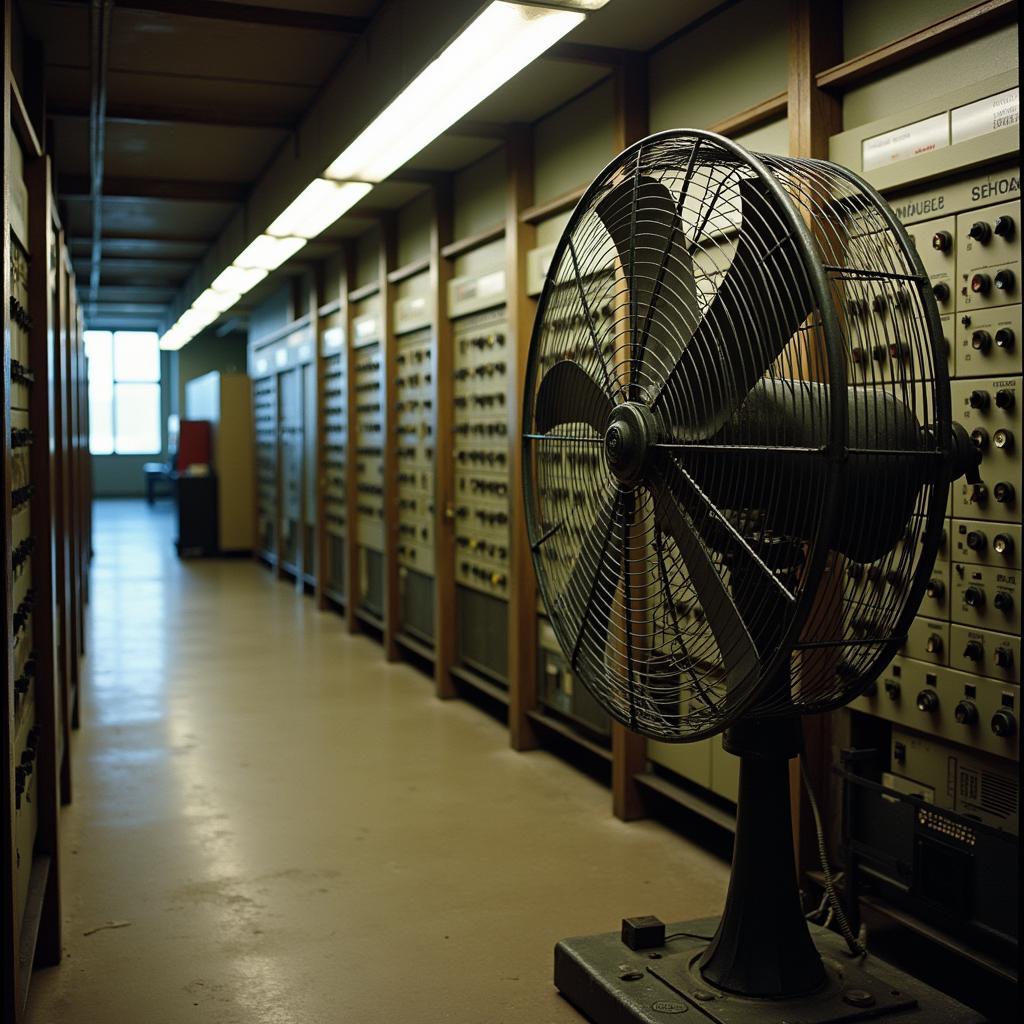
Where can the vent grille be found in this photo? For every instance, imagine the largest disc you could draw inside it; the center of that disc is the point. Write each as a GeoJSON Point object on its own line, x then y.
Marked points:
{"type": "Point", "coordinates": [998, 794]}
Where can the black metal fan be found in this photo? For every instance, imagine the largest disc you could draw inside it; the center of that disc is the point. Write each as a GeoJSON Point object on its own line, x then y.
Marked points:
{"type": "Point", "coordinates": [738, 449]}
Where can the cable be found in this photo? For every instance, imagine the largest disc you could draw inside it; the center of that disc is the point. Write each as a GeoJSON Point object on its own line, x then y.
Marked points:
{"type": "Point", "coordinates": [687, 935]}
{"type": "Point", "coordinates": [857, 948]}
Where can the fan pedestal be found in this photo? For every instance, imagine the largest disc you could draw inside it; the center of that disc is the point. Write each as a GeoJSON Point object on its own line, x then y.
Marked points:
{"type": "Point", "coordinates": [760, 962]}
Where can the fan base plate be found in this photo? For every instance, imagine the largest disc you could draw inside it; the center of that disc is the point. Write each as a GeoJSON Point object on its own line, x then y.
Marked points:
{"type": "Point", "coordinates": [611, 984]}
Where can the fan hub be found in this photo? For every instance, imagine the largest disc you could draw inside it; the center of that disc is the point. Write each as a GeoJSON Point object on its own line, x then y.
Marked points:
{"type": "Point", "coordinates": [627, 441]}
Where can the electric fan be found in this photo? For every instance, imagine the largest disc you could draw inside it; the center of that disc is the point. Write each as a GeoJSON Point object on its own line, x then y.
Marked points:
{"type": "Point", "coordinates": [738, 449]}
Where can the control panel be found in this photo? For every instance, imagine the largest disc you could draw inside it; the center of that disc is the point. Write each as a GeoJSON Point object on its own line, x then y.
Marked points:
{"type": "Point", "coordinates": [333, 470]}
{"type": "Point", "coordinates": [368, 398]}
{"type": "Point", "coordinates": [953, 694]}
{"type": "Point", "coordinates": [481, 496]}
{"type": "Point", "coordinates": [264, 414]}
{"type": "Point", "coordinates": [414, 456]}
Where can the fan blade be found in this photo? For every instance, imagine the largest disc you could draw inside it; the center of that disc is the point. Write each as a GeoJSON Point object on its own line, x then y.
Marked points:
{"type": "Point", "coordinates": [762, 300]}
{"type": "Point", "coordinates": [568, 394]}
{"type": "Point", "coordinates": [739, 655]}
{"type": "Point", "coordinates": [585, 606]}
{"type": "Point", "coordinates": [652, 246]}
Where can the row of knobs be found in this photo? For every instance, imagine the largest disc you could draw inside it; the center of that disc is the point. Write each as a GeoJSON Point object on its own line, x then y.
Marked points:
{"type": "Point", "coordinates": [974, 651]}
{"type": "Point", "coordinates": [974, 597]}
{"type": "Point", "coordinates": [1003, 723]}
{"type": "Point", "coordinates": [981, 231]}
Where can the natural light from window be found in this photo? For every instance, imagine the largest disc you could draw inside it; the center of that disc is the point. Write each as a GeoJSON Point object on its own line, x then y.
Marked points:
{"type": "Point", "coordinates": [124, 392]}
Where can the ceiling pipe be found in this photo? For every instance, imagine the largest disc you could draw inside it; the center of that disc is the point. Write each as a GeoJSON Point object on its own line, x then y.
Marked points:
{"type": "Point", "coordinates": [100, 14]}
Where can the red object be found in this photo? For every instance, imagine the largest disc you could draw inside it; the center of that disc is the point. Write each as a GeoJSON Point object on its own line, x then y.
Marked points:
{"type": "Point", "coordinates": [193, 444]}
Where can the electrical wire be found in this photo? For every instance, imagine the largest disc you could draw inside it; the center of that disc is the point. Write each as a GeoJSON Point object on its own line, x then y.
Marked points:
{"type": "Point", "coordinates": [857, 948]}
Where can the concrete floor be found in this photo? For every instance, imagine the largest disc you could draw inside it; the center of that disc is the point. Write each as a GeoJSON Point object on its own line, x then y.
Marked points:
{"type": "Point", "coordinates": [272, 826]}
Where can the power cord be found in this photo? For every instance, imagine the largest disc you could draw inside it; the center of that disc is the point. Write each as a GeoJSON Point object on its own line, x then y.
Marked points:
{"type": "Point", "coordinates": [857, 948]}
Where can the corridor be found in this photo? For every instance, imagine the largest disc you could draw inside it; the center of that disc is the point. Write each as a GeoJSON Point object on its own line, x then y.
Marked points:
{"type": "Point", "coordinates": [271, 825]}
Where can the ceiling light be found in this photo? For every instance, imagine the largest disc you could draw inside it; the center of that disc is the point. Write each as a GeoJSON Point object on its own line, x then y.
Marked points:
{"type": "Point", "coordinates": [194, 320]}
{"type": "Point", "coordinates": [502, 41]}
{"type": "Point", "coordinates": [268, 253]}
{"type": "Point", "coordinates": [318, 206]}
{"type": "Point", "coordinates": [238, 280]}
{"type": "Point", "coordinates": [177, 337]}
{"type": "Point", "coordinates": [216, 301]}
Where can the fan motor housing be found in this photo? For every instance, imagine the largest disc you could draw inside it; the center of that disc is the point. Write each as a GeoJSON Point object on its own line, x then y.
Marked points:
{"type": "Point", "coordinates": [628, 439]}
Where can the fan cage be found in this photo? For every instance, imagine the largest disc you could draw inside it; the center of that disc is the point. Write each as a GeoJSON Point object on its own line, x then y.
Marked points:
{"type": "Point", "coordinates": [783, 478]}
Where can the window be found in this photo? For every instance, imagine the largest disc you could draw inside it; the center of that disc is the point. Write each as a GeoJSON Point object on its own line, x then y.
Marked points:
{"type": "Point", "coordinates": [124, 392]}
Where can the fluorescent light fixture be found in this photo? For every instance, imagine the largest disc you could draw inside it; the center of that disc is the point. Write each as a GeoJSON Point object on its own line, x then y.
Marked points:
{"type": "Point", "coordinates": [503, 40]}
{"type": "Point", "coordinates": [238, 280]}
{"type": "Point", "coordinates": [194, 320]}
{"type": "Point", "coordinates": [318, 206]}
{"type": "Point", "coordinates": [216, 301]}
{"type": "Point", "coordinates": [265, 252]}
{"type": "Point", "coordinates": [177, 337]}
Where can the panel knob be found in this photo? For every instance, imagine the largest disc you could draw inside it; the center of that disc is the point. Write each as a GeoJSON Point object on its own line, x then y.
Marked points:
{"type": "Point", "coordinates": [1003, 439]}
{"type": "Point", "coordinates": [979, 400]}
{"type": "Point", "coordinates": [1002, 544]}
{"type": "Point", "coordinates": [1005, 280]}
{"type": "Point", "coordinates": [1005, 338]}
{"type": "Point", "coordinates": [974, 651]}
{"type": "Point", "coordinates": [928, 701]}
{"type": "Point", "coordinates": [976, 540]}
{"type": "Point", "coordinates": [1004, 492]}
{"type": "Point", "coordinates": [974, 597]}
{"type": "Point", "coordinates": [966, 712]}
{"type": "Point", "coordinates": [935, 589]}
{"type": "Point", "coordinates": [981, 284]}
{"type": "Point", "coordinates": [1004, 723]}
{"type": "Point", "coordinates": [981, 232]}
{"type": "Point", "coordinates": [1005, 399]}
{"type": "Point", "coordinates": [941, 291]}
{"type": "Point", "coordinates": [981, 341]}
{"type": "Point", "coordinates": [979, 438]}
{"type": "Point", "coordinates": [1003, 601]}
{"type": "Point", "coordinates": [1004, 227]}
{"type": "Point", "coordinates": [942, 241]}
{"type": "Point", "coordinates": [934, 644]}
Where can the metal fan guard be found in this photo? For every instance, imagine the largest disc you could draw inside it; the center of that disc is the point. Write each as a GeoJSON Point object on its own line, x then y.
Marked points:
{"type": "Point", "coordinates": [648, 513]}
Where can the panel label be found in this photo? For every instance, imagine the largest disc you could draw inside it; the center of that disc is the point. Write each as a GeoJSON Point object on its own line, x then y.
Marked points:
{"type": "Point", "coordinates": [903, 143]}
{"type": "Point", "coordinates": [986, 116]}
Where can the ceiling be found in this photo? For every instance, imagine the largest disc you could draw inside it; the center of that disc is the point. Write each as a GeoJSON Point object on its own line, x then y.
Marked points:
{"type": "Point", "coordinates": [201, 95]}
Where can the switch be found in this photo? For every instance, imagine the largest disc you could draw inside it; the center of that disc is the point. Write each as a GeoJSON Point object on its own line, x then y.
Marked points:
{"type": "Point", "coordinates": [934, 644]}
{"type": "Point", "coordinates": [1003, 657]}
{"type": "Point", "coordinates": [1004, 227]}
{"type": "Point", "coordinates": [981, 232]}
{"type": "Point", "coordinates": [981, 341]}
{"type": "Point", "coordinates": [892, 690]}
{"type": "Point", "coordinates": [974, 651]}
{"type": "Point", "coordinates": [899, 752]}
{"type": "Point", "coordinates": [966, 712]}
{"type": "Point", "coordinates": [1003, 602]}
{"type": "Point", "coordinates": [928, 701]}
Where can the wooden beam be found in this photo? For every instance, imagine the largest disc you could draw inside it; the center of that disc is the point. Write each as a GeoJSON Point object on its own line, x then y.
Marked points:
{"type": "Point", "coordinates": [409, 270]}
{"type": "Point", "coordinates": [77, 185]}
{"type": "Point", "coordinates": [629, 749]}
{"type": "Point", "coordinates": [763, 113]}
{"type": "Point", "coordinates": [470, 242]}
{"type": "Point", "coordinates": [252, 14]}
{"type": "Point", "coordinates": [940, 35]}
{"type": "Point", "coordinates": [363, 292]}
{"type": "Point", "coordinates": [815, 42]}
{"type": "Point", "coordinates": [587, 53]}
{"type": "Point", "coordinates": [22, 123]}
{"type": "Point", "coordinates": [445, 625]}
{"type": "Point", "coordinates": [560, 204]}
{"type": "Point", "coordinates": [520, 238]}
{"type": "Point", "coordinates": [351, 436]}
{"type": "Point", "coordinates": [150, 113]}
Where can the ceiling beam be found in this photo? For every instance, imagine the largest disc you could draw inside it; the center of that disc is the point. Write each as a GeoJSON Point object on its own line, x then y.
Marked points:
{"type": "Point", "coordinates": [148, 113]}
{"type": "Point", "coordinates": [586, 53]}
{"type": "Point", "coordinates": [218, 10]}
{"type": "Point", "coordinates": [480, 129]}
{"type": "Point", "coordinates": [142, 239]}
{"type": "Point", "coordinates": [155, 188]}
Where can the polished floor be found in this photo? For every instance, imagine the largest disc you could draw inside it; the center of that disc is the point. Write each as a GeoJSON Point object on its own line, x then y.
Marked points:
{"type": "Point", "coordinates": [272, 826]}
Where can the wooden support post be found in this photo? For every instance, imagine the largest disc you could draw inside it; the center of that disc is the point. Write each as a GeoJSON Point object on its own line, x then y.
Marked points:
{"type": "Point", "coordinates": [522, 610]}
{"type": "Point", "coordinates": [815, 43]}
{"type": "Point", "coordinates": [629, 750]}
{"type": "Point", "coordinates": [319, 478]}
{"type": "Point", "coordinates": [388, 261]}
{"type": "Point", "coordinates": [351, 434]}
{"type": "Point", "coordinates": [441, 230]}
